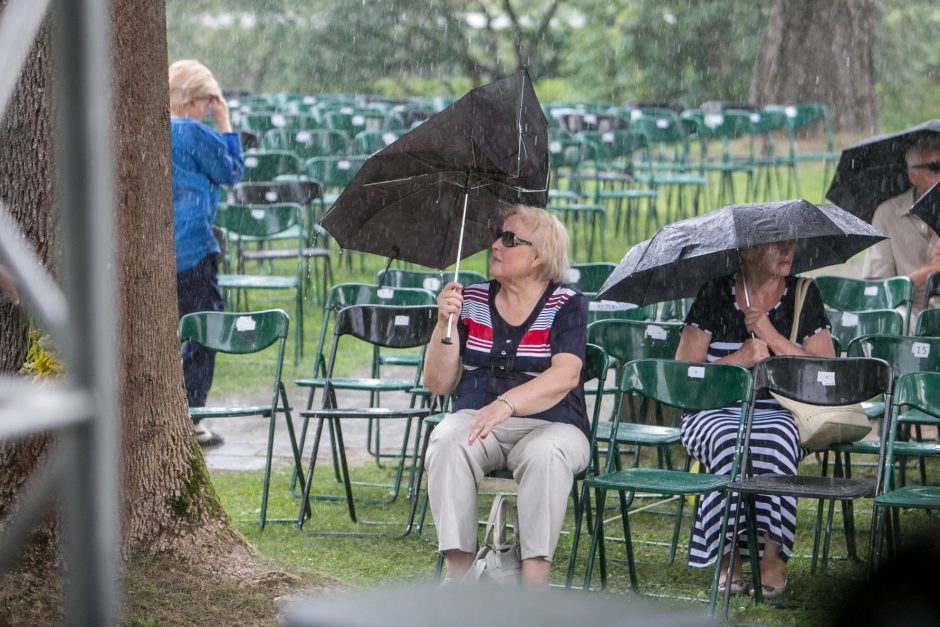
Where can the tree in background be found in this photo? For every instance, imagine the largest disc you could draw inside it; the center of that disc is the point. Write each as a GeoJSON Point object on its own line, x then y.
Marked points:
{"type": "Point", "coordinates": [821, 52]}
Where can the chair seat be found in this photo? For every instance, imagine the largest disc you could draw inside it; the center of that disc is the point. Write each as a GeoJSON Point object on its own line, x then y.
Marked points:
{"type": "Point", "coordinates": [291, 233]}
{"type": "Point", "coordinates": [805, 487]}
{"type": "Point", "coordinates": [285, 253]}
{"type": "Point", "coordinates": [366, 412]}
{"type": "Point", "coordinates": [906, 449]}
{"type": "Point", "coordinates": [673, 179]}
{"type": "Point", "coordinates": [918, 497]}
{"type": "Point", "coordinates": [627, 193]}
{"type": "Point", "coordinates": [356, 383]}
{"type": "Point", "coordinates": [916, 416]}
{"type": "Point", "coordinates": [228, 412]}
{"type": "Point", "coordinates": [631, 433]}
{"type": "Point", "coordinates": [246, 281]}
{"type": "Point", "coordinates": [659, 481]}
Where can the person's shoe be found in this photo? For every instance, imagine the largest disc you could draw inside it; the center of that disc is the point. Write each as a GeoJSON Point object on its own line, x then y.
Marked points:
{"type": "Point", "coordinates": [738, 586]}
{"type": "Point", "coordinates": [772, 592]}
{"type": "Point", "coordinates": [208, 439]}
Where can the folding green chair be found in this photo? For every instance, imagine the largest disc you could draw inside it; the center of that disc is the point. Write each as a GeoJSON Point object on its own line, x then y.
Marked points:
{"type": "Point", "coordinates": [307, 143]}
{"type": "Point", "coordinates": [266, 165]}
{"type": "Point", "coordinates": [247, 334]}
{"type": "Point", "coordinates": [846, 294]}
{"type": "Point", "coordinates": [258, 222]}
{"type": "Point", "coordinates": [378, 325]}
{"type": "Point", "coordinates": [848, 325]}
{"type": "Point", "coordinates": [615, 310]}
{"type": "Point", "coordinates": [431, 280]}
{"type": "Point", "coordinates": [344, 295]}
{"type": "Point", "coordinates": [369, 142]}
{"type": "Point", "coordinates": [675, 310]}
{"type": "Point", "coordinates": [928, 323]}
{"type": "Point", "coordinates": [916, 391]}
{"type": "Point", "coordinates": [689, 387]}
{"type": "Point", "coordinates": [589, 277]}
{"type": "Point", "coordinates": [931, 287]}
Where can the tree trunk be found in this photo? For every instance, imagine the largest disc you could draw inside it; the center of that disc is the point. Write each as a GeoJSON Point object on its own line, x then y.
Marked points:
{"type": "Point", "coordinates": [820, 51]}
{"type": "Point", "coordinates": [169, 505]}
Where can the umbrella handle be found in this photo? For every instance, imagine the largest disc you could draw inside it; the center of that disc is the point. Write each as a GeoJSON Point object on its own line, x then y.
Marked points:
{"type": "Point", "coordinates": [450, 323]}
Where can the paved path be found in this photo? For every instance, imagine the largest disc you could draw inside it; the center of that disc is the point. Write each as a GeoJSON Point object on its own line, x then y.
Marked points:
{"type": "Point", "coordinates": [246, 438]}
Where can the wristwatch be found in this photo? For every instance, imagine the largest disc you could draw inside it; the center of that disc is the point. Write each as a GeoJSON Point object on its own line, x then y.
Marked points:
{"type": "Point", "coordinates": [505, 399]}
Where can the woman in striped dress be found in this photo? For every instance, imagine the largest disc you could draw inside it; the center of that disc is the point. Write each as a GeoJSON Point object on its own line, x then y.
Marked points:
{"type": "Point", "coordinates": [741, 319]}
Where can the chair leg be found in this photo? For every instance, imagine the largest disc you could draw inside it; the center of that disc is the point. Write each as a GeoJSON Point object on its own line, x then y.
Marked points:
{"type": "Point", "coordinates": [295, 447]}
{"type": "Point", "coordinates": [600, 497]}
{"type": "Point", "coordinates": [305, 496]}
{"type": "Point", "coordinates": [338, 430]}
{"type": "Point", "coordinates": [576, 534]}
{"type": "Point", "coordinates": [628, 541]}
{"type": "Point", "coordinates": [753, 544]}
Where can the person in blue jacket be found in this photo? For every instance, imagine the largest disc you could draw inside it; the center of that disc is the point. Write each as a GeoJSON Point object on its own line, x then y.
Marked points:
{"type": "Point", "coordinates": [203, 160]}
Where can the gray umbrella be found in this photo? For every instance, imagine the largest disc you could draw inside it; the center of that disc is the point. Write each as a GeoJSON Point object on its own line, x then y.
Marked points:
{"type": "Point", "coordinates": [683, 255]}
{"type": "Point", "coordinates": [927, 207]}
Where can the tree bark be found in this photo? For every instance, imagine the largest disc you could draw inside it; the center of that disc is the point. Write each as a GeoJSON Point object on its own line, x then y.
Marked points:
{"type": "Point", "coordinates": [820, 51]}
{"type": "Point", "coordinates": [169, 504]}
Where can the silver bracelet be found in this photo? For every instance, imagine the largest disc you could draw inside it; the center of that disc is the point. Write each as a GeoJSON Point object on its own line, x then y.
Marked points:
{"type": "Point", "coordinates": [505, 399]}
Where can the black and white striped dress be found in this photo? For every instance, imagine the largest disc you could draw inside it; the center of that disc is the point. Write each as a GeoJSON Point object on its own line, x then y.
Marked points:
{"type": "Point", "coordinates": [775, 443]}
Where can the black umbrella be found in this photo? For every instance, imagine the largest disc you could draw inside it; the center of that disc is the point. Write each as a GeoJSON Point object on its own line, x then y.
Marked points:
{"type": "Point", "coordinates": [873, 170]}
{"type": "Point", "coordinates": [683, 255]}
{"type": "Point", "coordinates": [483, 153]}
{"type": "Point", "coordinates": [927, 207]}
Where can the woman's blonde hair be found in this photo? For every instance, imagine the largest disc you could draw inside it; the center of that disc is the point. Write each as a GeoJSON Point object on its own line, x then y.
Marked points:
{"type": "Point", "coordinates": [549, 240]}
{"type": "Point", "coordinates": [191, 80]}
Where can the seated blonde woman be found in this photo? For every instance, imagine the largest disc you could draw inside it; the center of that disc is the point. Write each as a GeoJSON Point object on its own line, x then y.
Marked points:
{"type": "Point", "coordinates": [741, 319]}
{"type": "Point", "coordinates": [518, 395]}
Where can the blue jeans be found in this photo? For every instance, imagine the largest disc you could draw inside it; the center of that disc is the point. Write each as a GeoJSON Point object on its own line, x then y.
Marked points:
{"type": "Point", "coordinates": [197, 289]}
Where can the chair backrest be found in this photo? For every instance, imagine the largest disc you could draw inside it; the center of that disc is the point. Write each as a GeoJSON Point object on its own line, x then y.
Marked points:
{"type": "Point", "coordinates": [904, 353]}
{"type": "Point", "coordinates": [931, 287]}
{"type": "Point", "coordinates": [627, 340]}
{"type": "Point", "coordinates": [308, 143]}
{"type": "Point", "coordinates": [425, 279]}
{"type": "Point", "coordinates": [334, 172]}
{"type": "Point", "coordinates": [299, 192]}
{"type": "Point", "coordinates": [613, 310]}
{"type": "Point", "coordinates": [265, 165]}
{"type": "Point", "coordinates": [387, 326]}
{"type": "Point", "coordinates": [847, 294]}
{"type": "Point", "coordinates": [589, 277]}
{"type": "Point", "coordinates": [234, 332]}
{"type": "Point", "coordinates": [259, 220]}
{"type": "Point", "coordinates": [348, 294]}
{"type": "Point", "coordinates": [687, 385]}
{"type": "Point", "coordinates": [467, 277]}
{"type": "Point", "coordinates": [928, 323]}
{"type": "Point", "coordinates": [848, 325]}
{"type": "Point", "coordinates": [368, 142]}
{"type": "Point", "coordinates": [824, 381]}
{"type": "Point", "coordinates": [676, 310]}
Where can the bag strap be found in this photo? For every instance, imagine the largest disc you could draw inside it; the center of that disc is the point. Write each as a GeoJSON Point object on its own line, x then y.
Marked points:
{"type": "Point", "coordinates": [501, 513]}
{"type": "Point", "coordinates": [802, 286]}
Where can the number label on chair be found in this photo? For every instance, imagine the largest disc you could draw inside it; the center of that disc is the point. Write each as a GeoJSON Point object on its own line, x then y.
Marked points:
{"type": "Point", "coordinates": [554, 147]}
{"type": "Point", "coordinates": [358, 120]}
{"type": "Point", "coordinates": [920, 350]}
{"type": "Point", "coordinates": [278, 120]}
{"type": "Point", "coordinates": [385, 293]}
{"type": "Point", "coordinates": [343, 165]}
{"type": "Point", "coordinates": [573, 275]}
{"type": "Point", "coordinates": [389, 138]}
{"type": "Point", "coordinates": [402, 321]}
{"type": "Point", "coordinates": [251, 162]}
{"type": "Point", "coordinates": [270, 195]}
{"type": "Point", "coordinates": [607, 138]}
{"type": "Point", "coordinates": [656, 332]}
{"type": "Point", "coordinates": [662, 123]}
{"type": "Point", "coordinates": [871, 290]}
{"type": "Point", "coordinates": [431, 283]}
{"type": "Point", "coordinates": [696, 372]}
{"type": "Point", "coordinates": [826, 378]}
{"type": "Point", "coordinates": [849, 319]}
{"type": "Point", "coordinates": [257, 214]}
{"type": "Point", "coordinates": [303, 137]}
{"type": "Point", "coordinates": [245, 323]}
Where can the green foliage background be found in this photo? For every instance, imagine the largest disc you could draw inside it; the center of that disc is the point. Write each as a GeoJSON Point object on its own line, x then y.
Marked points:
{"type": "Point", "coordinates": [677, 50]}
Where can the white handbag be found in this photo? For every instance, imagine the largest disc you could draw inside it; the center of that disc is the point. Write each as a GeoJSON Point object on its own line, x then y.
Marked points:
{"type": "Point", "coordinates": [497, 560]}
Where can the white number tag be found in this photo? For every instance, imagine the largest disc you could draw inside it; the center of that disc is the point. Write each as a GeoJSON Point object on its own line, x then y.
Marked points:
{"type": "Point", "coordinates": [696, 372]}
{"type": "Point", "coordinates": [385, 293]}
{"type": "Point", "coordinates": [920, 350]}
{"type": "Point", "coordinates": [402, 321]}
{"type": "Point", "coordinates": [270, 195]}
{"type": "Point", "coordinates": [251, 162]}
{"type": "Point", "coordinates": [607, 138]}
{"type": "Point", "coordinates": [257, 214]}
{"type": "Point", "coordinates": [656, 332]}
{"type": "Point", "coordinates": [608, 305]}
{"type": "Point", "coordinates": [278, 120]}
{"type": "Point", "coordinates": [574, 275]}
{"type": "Point", "coordinates": [303, 137]}
{"type": "Point", "coordinates": [662, 123]}
{"type": "Point", "coordinates": [343, 165]}
{"type": "Point", "coordinates": [431, 283]}
{"type": "Point", "coordinates": [826, 378]}
{"type": "Point", "coordinates": [871, 290]}
{"type": "Point", "coordinates": [358, 120]}
{"type": "Point", "coordinates": [245, 323]}
{"type": "Point", "coordinates": [389, 138]}
{"type": "Point", "coordinates": [849, 319]}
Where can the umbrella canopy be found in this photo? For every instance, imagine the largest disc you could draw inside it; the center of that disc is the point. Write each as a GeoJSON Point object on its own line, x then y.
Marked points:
{"type": "Point", "coordinates": [873, 170]}
{"type": "Point", "coordinates": [683, 255]}
{"type": "Point", "coordinates": [489, 149]}
{"type": "Point", "coordinates": [927, 207]}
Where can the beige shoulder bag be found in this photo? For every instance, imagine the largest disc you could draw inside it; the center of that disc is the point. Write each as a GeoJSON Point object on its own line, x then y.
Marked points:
{"type": "Point", "coordinates": [822, 425]}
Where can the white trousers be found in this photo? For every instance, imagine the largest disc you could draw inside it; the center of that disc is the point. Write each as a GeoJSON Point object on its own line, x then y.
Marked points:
{"type": "Point", "coordinates": [543, 457]}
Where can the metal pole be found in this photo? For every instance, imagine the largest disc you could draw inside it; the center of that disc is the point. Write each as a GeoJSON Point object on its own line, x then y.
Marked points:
{"type": "Point", "coordinates": [86, 199]}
